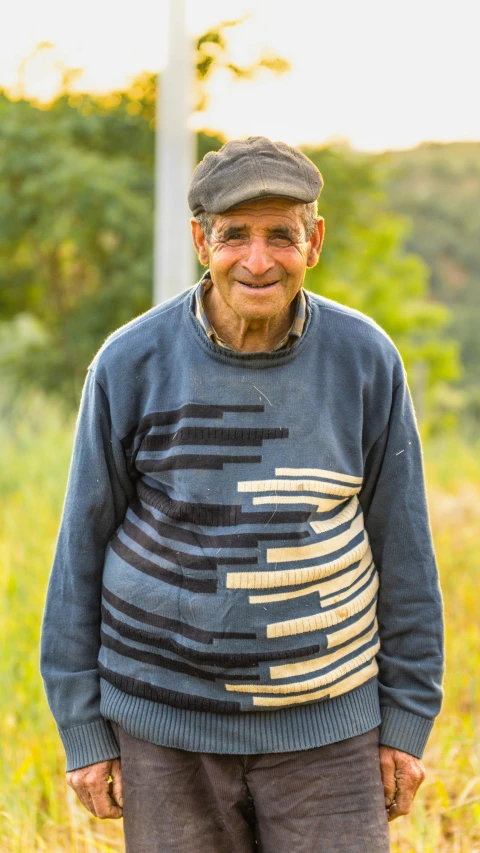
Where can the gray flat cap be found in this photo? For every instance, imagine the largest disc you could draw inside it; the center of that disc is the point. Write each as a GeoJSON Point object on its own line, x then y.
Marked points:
{"type": "Point", "coordinates": [253, 168]}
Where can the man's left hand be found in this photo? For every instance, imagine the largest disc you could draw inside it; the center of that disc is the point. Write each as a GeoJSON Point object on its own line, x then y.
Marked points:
{"type": "Point", "coordinates": [402, 775]}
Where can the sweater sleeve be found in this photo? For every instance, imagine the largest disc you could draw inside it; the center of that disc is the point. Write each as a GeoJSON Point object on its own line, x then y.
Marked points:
{"type": "Point", "coordinates": [95, 504]}
{"type": "Point", "coordinates": [409, 611]}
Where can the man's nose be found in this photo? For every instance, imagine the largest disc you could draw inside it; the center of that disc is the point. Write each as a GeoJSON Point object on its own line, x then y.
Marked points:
{"type": "Point", "coordinates": [258, 260]}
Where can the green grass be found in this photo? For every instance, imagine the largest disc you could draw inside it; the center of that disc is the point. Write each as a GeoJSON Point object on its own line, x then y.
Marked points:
{"type": "Point", "coordinates": [37, 810]}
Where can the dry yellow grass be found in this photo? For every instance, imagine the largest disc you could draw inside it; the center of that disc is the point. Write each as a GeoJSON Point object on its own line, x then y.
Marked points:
{"type": "Point", "coordinates": [39, 813]}
{"type": "Point", "coordinates": [446, 816]}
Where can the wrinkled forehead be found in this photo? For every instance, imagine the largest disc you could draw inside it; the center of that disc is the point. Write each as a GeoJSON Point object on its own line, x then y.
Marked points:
{"type": "Point", "coordinates": [266, 213]}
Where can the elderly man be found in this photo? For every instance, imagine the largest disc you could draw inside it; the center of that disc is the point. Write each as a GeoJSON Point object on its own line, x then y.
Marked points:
{"type": "Point", "coordinates": [243, 621]}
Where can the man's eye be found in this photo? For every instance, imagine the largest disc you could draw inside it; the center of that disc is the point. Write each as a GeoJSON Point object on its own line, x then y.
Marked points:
{"type": "Point", "coordinates": [280, 241]}
{"type": "Point", "coordinates": [235, 238]}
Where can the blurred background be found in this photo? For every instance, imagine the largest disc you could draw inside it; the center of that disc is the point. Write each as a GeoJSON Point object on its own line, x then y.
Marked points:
{"type": "Point", "coordinates": [104, 110]}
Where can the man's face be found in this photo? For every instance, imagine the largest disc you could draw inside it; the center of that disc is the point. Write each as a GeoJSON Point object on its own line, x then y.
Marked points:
{"type": "Point", "coordinates": [258, 255]}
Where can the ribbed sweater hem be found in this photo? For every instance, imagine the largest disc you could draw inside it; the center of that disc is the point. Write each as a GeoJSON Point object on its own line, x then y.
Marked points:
{"type": "Point", "coordinates": [89, 744]}
{"type": "Point", "coordinates": [285, 730]}
{"type": "Point", "coordinates": [404, 730]}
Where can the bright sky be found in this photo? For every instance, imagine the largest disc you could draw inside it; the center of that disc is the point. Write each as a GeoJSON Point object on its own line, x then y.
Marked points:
{"type": "Point", "coordinates": [381, 73]}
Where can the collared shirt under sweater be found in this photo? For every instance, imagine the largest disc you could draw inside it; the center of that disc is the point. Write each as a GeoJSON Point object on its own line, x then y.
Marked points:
{"type": "Point", "coordinates": [294, 332]}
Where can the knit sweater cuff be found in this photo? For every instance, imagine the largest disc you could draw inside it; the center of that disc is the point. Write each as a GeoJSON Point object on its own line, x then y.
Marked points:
{"type": "Point", "coordinates": [89, 744]}
{"type": "Point", "coordinates": [405, 731]}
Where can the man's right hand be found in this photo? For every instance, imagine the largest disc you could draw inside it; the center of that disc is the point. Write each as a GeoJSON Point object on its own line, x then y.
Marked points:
{"type": "Point", "coordinates": [99, 788]}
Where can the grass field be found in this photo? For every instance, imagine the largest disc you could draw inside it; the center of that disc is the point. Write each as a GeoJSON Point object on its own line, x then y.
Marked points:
{"type": "Point", "coordinates": [39, 813]}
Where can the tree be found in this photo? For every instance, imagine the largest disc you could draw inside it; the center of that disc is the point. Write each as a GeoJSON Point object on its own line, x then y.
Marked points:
{"type": "Point", "coordinates": [75, 240]}
{"type": "Point", "coordinates": [437, 186]}
{"type": "Point", "coordinates": [365, 264]}
{"type": "Point", "coordinates": [212, 54]}
{"type": "Point", "coordinates": [76, 211]}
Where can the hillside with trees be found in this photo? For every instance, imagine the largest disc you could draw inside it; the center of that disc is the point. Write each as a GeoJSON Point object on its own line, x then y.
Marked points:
{"type": "Point", "coordinates": [76, 211]}
{"type": "Point", "coordinates": [437, 186]}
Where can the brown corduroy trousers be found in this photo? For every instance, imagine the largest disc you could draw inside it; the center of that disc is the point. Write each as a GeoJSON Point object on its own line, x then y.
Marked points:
{"type": "Point", "coordinates": [323, 800]}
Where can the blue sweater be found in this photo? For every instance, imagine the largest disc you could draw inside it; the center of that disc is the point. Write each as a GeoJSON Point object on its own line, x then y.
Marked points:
{"type": "Point", "coordinates": [244, 562]}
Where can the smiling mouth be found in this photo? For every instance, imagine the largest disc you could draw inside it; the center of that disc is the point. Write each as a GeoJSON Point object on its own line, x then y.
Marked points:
{"type": "Point", "coordinates": [258, 286]}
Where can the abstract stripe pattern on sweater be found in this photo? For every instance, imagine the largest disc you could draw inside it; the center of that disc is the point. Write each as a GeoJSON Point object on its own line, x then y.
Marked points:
{"type": "Point", "coordinates": [263, 600]}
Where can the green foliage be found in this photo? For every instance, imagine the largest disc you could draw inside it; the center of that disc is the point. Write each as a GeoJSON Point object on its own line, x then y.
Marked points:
{"type": "Point", "coordinates": [212, 53]}
{"type": "Point", "coordinates": [365, 265]}
{"type": "Point", "coordinates": [75, 238]}
{"type": "Point", "coordinates": [438, 187]}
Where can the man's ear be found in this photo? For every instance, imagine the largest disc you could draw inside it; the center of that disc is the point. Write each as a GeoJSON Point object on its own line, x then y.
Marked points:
{"type": "Point", "coordinates": [316, 242]}
{"type": "Point", "coordinates": [200, 242]}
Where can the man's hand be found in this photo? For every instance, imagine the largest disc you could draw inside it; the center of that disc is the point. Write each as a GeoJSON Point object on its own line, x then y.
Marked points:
{"type": "Point", "coordinates": [402, 775]}
{"type": "Point", "coordinates": [99, 788]}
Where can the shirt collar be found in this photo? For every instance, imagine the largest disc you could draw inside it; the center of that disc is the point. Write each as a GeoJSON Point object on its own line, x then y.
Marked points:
{"type": "Point", "coordinates": [294, 332]}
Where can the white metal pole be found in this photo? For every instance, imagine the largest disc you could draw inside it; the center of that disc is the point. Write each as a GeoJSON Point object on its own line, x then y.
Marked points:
{"type": "Point", "coordinates": [174, 261]}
